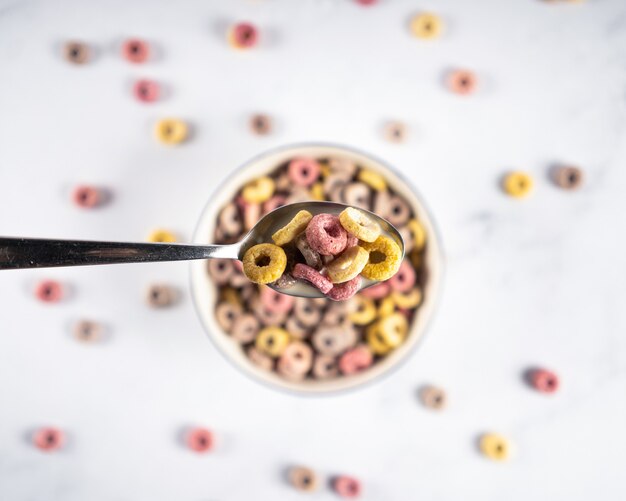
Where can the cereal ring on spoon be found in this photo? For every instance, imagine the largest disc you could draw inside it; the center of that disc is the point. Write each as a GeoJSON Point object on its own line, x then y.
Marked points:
{"type": "Point", "coordinates": [345, 290]}
{"type": "Point", "coordinates": [326, 235]}
{"type": "Point", "coordinates": [385, 258]}
{"type": "Point", "coordinates": [296, 226]}
{"type": "Point", "coordinates": [264, 263]}
{"type": "Point", "coordinates": [358, 224]}
{"type": "Point", "coordinates": [305, 272]}
{"type": "Point", "coordinates": [348, 265]}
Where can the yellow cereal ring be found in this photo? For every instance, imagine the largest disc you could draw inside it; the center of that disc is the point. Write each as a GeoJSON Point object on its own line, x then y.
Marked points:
{"type": "Point", "coordinates": [364, 311]}
{"type": "Point", "coordinates": [385, 258]}
{"type": "Point", "coordinates": [518, 184]}
{"type": "Point", "coordinates": [393, 329]}
{"type": "Point", "coordinates": [162, 236]}
{"type": "Point", "coordinates": [272, 341]}
{"type": "Point", "coordinates": [324, 170]}
{"type": "Point", "coordinates": [358, 224]}
{"type": "Point", "coordinates": [373, 179]}
{"type": "Point", "coordinates": [416, 258]}
{"type": "Point", "coordinates": [495, 446]}
{"type": "Point", "coordinates": [296, 226]}
{"type": "Point", "coordinates": [376, 341]}
{"type": "Point", "coordinates": [258, 190]}
{"type": "Point", "coordinates": [347, 265]}
{"type": "Point", "coordinates": [387, 307]}
{"type": "Point", "coordinates": [230, 295]}
{"type": "Point", "coordinates": [407, 299]}
{"type": "Point", "coordinates": [317, 191]}
{"type": "Point", "coordinates": [171, 131]}
{"type": "Point", "coordinates": [426, 26]}
{"type": "Point", "coordinates": [264, 263]}
{"type": "Point", "coordinates": [418, 233]}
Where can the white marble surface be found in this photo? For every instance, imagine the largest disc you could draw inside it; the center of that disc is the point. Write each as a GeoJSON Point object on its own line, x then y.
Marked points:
{"type": "Point", "coordinates": [539, 281]}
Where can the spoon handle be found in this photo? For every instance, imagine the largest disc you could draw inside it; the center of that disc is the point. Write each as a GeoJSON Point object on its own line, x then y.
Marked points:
{"type": "Point", "coordinates": [43, 253]}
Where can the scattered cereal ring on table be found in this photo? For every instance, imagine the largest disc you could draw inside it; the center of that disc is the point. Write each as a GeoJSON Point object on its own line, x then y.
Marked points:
{"type": "Point", "coordinates": [243, 36]}
{"type": "Point", "coordinates": [260, 124]}
{"type": "Point", "coordinates": [433, 397]}
{"type": "Point", "coordinates": [355, 360]}
{"type": "Point", "coordinates": [568, 177]}
{"type": "Point", "coordinates": [147, 91]}
{"type": "Point", "coordinates": [544, 381]}
{"type": "Point", "coordinates": [517, 184]}
{"type": "Point", "coordinates": [345, 290]}
{"type": "Point", "coordinates": [404, 279]}
{"type": "Point", "coordinates": [462, 82]}
{"type": "Point", "coordinates": [294, 228]}
{"type": "Point", "coordinates": [347, 265]}
{"type": "Point", "coordinates": [373, 179]}
{"type": "Point", "coordinates": [426, 26]}
{"type": "Point", "coordinates": [359, 225]}
{"type": "Point", "coordinates": [325, 367]}
{"type": "Point", "coordinates": [347, 487]}
{"type": "Point", "coordinates": [87, 331]}
{"type": "Point", "coordinates": [384, 259]}
{"type": "Point", "coordinates": [199, 440]}
{"type": "Point", "coordinates": [87, 197]}
{"type": "Point", "coordinates": [395, 132]}
{"type": "Point", "coordinates": [363, 311]}
{"type": "Point", "coordinates": [171, 131]}
{"type": "Point", "coordinates": [264, 263]}
{"type": "Point", "coordinates": [303, 479]}
{"type": "Point", "coordinates": [326, 235]}
{"type": "Point", "coordinates": [303, 171]}
{"type": "Point", "coordinates": [49, 291]}
{"type": "Point", "coordinates": [136, 51]}
{"type": "Point", "coordinates": [77, 52]}
{"type": "Point", "coordinates": [160, 296]}
{"type": "Point", "coordinates": [48, 439]}
{"type": "Point", "coordinates": [272, 341]}
{"type": "Point", "coordinates": [409, 299]}
{"type": "Point", "coordinates": [495, 446]}
{"type": "Point", "coordinates": [311, 275]}
{"type": "Point", "coordinates": [258, 190]}
{"type": "Point", "coordinates": [162, 236]}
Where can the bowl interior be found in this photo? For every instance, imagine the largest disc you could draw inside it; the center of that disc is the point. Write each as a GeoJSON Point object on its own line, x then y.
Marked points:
{"type": "Point", "coordinates": [204, 291]}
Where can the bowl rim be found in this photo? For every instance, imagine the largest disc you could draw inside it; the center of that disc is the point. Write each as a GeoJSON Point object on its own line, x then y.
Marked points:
{"type": "Point", "coordinates": [333, 386]}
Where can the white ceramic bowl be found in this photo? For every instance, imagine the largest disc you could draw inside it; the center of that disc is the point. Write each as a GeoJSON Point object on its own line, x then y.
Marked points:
{"type": "Point", "coordinates": [204, 291]}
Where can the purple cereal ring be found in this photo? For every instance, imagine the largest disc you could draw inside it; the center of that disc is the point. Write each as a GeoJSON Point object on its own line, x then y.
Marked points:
{"type": "Point", "coordinates": [345, 290]}
{"type": "Point", "coordinates": [326, 235]}
{"type": "Point", "coordinates": [355, 360]}
{"type": "Point", "coordinates": [303, 171]}
{"type": "Point", "coordinates": [275, 301]}
{"type": "Point", "coordinates": [378, 291]}
{"type": "Point", "coordinates": [404, 279]}
{"type": "Point", "coordinates": [304, 272]}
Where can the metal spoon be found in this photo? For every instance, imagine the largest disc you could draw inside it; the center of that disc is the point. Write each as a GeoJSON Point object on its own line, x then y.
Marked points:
{"type": "Point", "coordinates": [18, 253]}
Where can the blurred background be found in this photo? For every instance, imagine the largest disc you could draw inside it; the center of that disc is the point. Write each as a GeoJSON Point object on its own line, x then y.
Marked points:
{"type": "Point", "coordinates": [530, 282]}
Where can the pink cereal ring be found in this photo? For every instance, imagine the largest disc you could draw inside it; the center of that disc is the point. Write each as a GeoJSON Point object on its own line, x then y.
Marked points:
{"type": "Point", "coordinates": [544, 380]}
{"type": "Point", "coordinates": [303, 171]}
{"type": "Point", "coordinates": [355, 360]}
{"type": "Point", "coordinates": [49, 291]}
{"type": "Point", "coordinates": [378, 291]}
{"type": "Point", "coordinates": [347, 487]}
{"type": "Point", "coordinates": [305, 272]}
{"type": "Point", "coordinates": [87, 197]}
{"type": "Point", "coordinates": [146, 91]}
{"type": "Point", "coordinates": [345, 290]}
{"type": "Point", "coordinates": [276, 302]}
{"type": "Point", "coordinates": [135, 51]}
{"type": "Point", "coordinates": [404, 279]}
{"type": "Point", "coordinates": [199, 440]}
{"type": "Point", "coordinates": [48, 439]}
{"type": "Point", "coordinates": [244, 35]}
{"type": "Point", "coordinates": [273, 203]}
{"type": "Point", "coordinates": [326, 235]}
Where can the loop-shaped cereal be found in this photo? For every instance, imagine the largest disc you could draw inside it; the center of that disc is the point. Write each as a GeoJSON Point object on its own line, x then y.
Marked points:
{"type": "Point", "coordinates": [136, 51]}
{"type": "Point", "coordinates": [335, 314]}
{"type": "Point", "coordinates": [273, 203]}
{"type": "Point", "coordinates": [495, 446]}
{"type": "Point", "coordinates": [358, 224]}
{"type": "Point", "coordinates": [357, 195]}
{"type": "Point", "coordinates": [230, 220]}
{"type": "Point", "coordinates": [386, 307]}
{"type": "Point", "coordinates": [544, 380]}
{"type": "Point", "coordinates": [221, 270]}
{"type": "Point", "coordinates": [243, 36]}
{"type": "Point", "coordinates": [568, 177]}
{"type": "Point", "coordinates": [260, 124]}
{"type": "Point", "coordinates": [334, 340]}
{"type": "Point", "coordinates": [264, 263]}
{"type": "Point", "coordinates": [275, 301]}
{"type": "Point", "coordinates": [377, 291]}
{"type": "Point", "coordinates": [87, 197]}
{"type": "Point", "coordinates": [245, 328]}
{"type": "Point", "coordinates": [226, 314]}
{"type": "Point", "coordinates": [397, 211]}
{"type": "Point", "coordinates": [325, 367]}
{"type": "Point", "coordinates": [199, 440]}
{"type": "Point", "coordinates": [272, 341]}
{"type": "Point", "coordinates": [296, 360]}
{"type": "Point", "coordinates": [314, 277]}
{"type": "Point", "coordinates": [384, 259]}
{"type": "Point", "coordinates": [376, 341]}
{"type": "Point", "coordinates": [404, 279]}
{"type": "Point", "coordinates": [303, 479]}
{"type": "Point", "coordinates": [317, 191]}
{"type": "Point", "coordinates": [409, 299]}
{"type": "Point", "coordinates": [462, 82]}
{"type": "Point", "coordinates": [326, 235]}
{"type": "Point", "coordinates": [395, 132]}
{"type": "Point", "coordinates": [311, 257]}
{"type": "Point", "coordinates": [48, 439]}
{"type": "Point", "coordinates": [345, 290]}
{"type": "Point", "coordinates": [373, 179]}
{"type": "Point", "coordinates": [347, 265]}
{"type": "Point", "coordinates": [161, 236]}
{"type": "Point", "coordinates": [260, 359]}
{"type": "Point", "coordinates": [87, 331]}
{"type": "Point", "coordinates": [364, 310]}
{"type": "Point", "coordinates": [265, 316]}
{"type": "Point", "coordinates": [393, 328]}
{"type": "Point", "coordinates": [146, 91]}
{"type": "Point", "coordinates": [49, 291]}
{"type": "Point", "coordinates": [307, 312]}
{"type": "Point", "coordinates": [285, 281]}
{"type": "Point", "coordinates": [77, 52]}
{"type": "Point", "coordinates": [296, 328]}
{"type": "Point", "coordinates": [292, 229]}
{"type": "Point", "coordinates": [433, 397]}
{"type": "Point", "coordinates": [517, 184]}
{"type": "Point", "coordinates": [347, 487]}
{"type": "Point", "coordinates": [258, 190]}
{"type": "Point", "coordinates": [355, 360]}
{"type": "Point", "coordinates": [418, 233]}
{"type": "Point", "coordinates": [171, 131]}
{"type": "Point", "coordinates": [426, 26]}
{"type": "Point", "coordinates": [303, 171]}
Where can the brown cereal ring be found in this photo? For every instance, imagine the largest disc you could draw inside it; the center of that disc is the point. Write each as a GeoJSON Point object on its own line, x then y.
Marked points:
{"type": "Point", "coordinates": [326, 235]}
{"type": "Point", "coordinates": [220, 270]}
{"type": "Point", "coordinates": [347, 265]}
{"type": "Point", "coordinates": [385, 258]}
{"type": "Point", "coordinates": [260, 359]}
{"type": "Point", "coordinates": [358, 224]}
{"type": "Point", "coordinates": [307, 312]}
{"type": "Point", "coordinates": [303, 479]}
{"type": "Point", "coordinates": [334, 340]}
{"type": "Point", "coordinates": [245, 328]}
{"type": "Point", "coordinates": [77, 52]}
{"type": "Point", "coordinates": [325, 367]}
{"type": "Point", "coordinates": [311, 257]}
{"type": "Point", "coordinates": [358, 195]}
{"type": "Point", "coordinates": [87, 331]}
{"type": "Point", "coordinates": [433, 398]}
{"type": "Point", "coordinates": [296, 360]}
{"type": "Point", "coordinates": [398, 211]}
{"type": "Point", "coordinates": [230, 295]}
{"type": "Point", "coordinates": [160, 296]}
{"type": "Point", "coordinates": [260, 124]}
{"type": "Point", "coordinates": [395, 132]}
{"type": "Point", "coordinates": [568, 177]}
{"type": "Point", "coordinates": [230, 220]}
{"type": "Point", "coordinates": [296, 328]}
{"type": "Point", "coordinates": [292, 229]}
{"type": "Point", "coordinates": [264, 263]}
{"type": "Point", "coordinates": [226, 314]}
